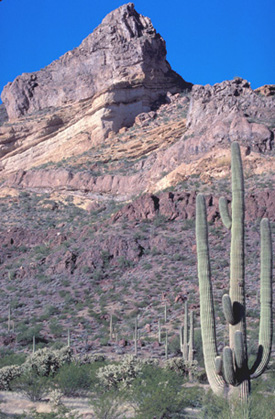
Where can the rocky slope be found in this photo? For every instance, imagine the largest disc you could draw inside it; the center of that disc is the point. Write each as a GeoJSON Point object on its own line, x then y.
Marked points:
{"type": "Point", "coordinates": [97, 217]}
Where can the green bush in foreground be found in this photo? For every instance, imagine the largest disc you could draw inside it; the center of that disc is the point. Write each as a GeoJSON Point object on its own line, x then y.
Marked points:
{"type": "Point", "coordinates": [108, 404]}
{"type": "Point", "coordinates": [33, 386]}
{"type": "Point", "coordinates": [260, 406]}
{"type": "Point", "coordinates": [74, 380]}
{"type": "Point", "coordinates": [158, 393]}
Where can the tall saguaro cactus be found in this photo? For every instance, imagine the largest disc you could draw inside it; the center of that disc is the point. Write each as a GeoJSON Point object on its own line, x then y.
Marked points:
{"type": "Point", "coordinates": [231, 369]}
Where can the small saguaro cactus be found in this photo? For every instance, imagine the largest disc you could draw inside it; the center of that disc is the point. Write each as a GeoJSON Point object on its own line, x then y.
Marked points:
{"type": "Point", "coordinates": [231, 369]}
{"type": "Point", "coordinates": [111, 327]}
{"type": "Point", "coordinates": [136, 335]}
{"type": "Point", "coordinates": [159, 331]}
{"type": "Point", "coordinates": [166, 344]}
{"type": "Point", "coordinates": [187, 348]}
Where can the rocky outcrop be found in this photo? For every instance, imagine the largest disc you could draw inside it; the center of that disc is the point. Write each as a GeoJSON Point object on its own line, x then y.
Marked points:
{"type": "Point", "coordinates": [122, 65]}
{"type": "Point", "coordinates": [182, 206]}
{"type": "Point", "coordinates": [3, 114]}
{"type": "Point", "coordinates": [266, 90]}
{"type": "Point", "coordinates": [228, 111]}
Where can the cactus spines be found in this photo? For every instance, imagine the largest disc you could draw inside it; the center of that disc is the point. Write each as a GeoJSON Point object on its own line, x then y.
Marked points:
{"type": "Point", "coordinates": [234, 362]}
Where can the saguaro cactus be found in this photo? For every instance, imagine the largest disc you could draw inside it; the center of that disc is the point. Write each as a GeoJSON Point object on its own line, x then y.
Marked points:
{"type": "Point", "coordinates": [231, 369]}
{"type": "Point", "coordinates": [187, 347]}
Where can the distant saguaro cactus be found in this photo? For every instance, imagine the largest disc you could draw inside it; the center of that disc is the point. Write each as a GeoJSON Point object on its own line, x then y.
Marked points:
{"type": "Point", "coordinates": [187, 347]}
{"type": "Point", "coordinates": [231, 369]}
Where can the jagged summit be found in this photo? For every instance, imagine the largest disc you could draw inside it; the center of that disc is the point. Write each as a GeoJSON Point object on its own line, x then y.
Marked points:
{"type": "Point", "coordinates": [124, 57]}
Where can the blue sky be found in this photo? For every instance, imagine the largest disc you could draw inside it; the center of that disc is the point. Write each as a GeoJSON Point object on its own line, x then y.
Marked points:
{"type": "Point", "coordinates": [208, 41]}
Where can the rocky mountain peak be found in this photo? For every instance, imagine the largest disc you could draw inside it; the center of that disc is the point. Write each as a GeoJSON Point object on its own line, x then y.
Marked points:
{"type": "Point", "coordinates": [123, 52]}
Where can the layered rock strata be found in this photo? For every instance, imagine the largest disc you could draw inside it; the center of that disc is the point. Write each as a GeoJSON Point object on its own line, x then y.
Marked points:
{"type": "Point", "coordinates": [122, 65]}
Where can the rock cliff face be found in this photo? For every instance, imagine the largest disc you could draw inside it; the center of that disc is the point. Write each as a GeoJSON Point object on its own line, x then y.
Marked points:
{"type": "Point", "coordinates": [229, 111]}
{"type": "Point", "coordinates": [122, 65]}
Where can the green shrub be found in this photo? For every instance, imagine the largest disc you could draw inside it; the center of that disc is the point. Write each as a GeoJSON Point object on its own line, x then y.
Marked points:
{"type": "Point", "coordinates": [157, 393]}
{"type": "Point", "coordinates": [73, 379]}
{"type": "Point", "coordinates": [27, 333]}
{"type": "Point", "coordinates": [259, 406]}
{"type": "Point", "coordinates": [32, 385]}
{"type": "Point", "coordinates": [182, 367]}
{"type": "Point", "coordinates": [108, 404]}
{"type": "Point", "coordinates": [10, 358]}
{"type": "Point", "coordinates": [56, 328]}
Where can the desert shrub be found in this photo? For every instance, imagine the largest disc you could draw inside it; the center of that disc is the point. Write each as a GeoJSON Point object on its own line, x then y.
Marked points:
{"type": "Point", "coordinates": [182, 367]}
{"type": "Point", "coordinates": [27, 333]}
{"type": "Point", "coordinates": [259, 406]}
{"type": "Point", "coordinates": [7, 375]}
{"type": "Point", "coordinates": [262, 406]}
{"type": "Point", "coordinates": [56, 328]}
{"type": "Point", "coordinates": [10, 358]}
{"type": "Point", "coordinates": [122, 374]}
{"type": "Point", "coordinates": [89, 358]}
{"type": "Point", "coordinates": [73, 379]}
{"type": "Point", "coordinates": [108, 404]}
{"type": "Point", "coordinates": [174, 345]}
{"type": "Point", "coordinates": [46, 362]}
{"type": "Point", "coordinates": [157, 393]}
{"type": "Point", "coordinates": [32, 385]}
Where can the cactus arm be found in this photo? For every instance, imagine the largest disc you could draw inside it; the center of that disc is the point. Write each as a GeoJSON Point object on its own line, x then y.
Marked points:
{"type": "Point", "coordinates": [228, 309]}
{"type": "Point", "coordinates": [265, 333]}
{"type": "Point", "coordinates": [224, 211]}
{"type": "Point", "coordinates": [239, 350]}
{"type": "Point", "coordinates": [228, 366]}
{"type": "Point", "coordinates": [218, 364]}
{"type": "Point", "coordinates": [207, 316]}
